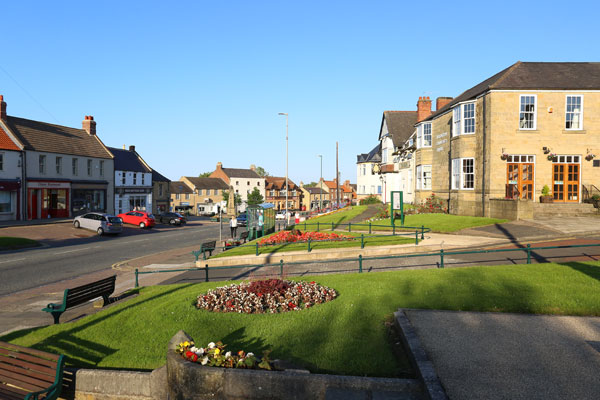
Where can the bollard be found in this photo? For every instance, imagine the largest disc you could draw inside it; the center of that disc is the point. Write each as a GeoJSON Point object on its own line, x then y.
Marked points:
{"type": "Point", "coordinates": [308, 245]}
{"type": "Point", "coordinates": [257, 249]}
{"type": "Point", "coordinates": [360, 264]}
{"type": "Point", "coordinates": [528, 254]}
{"type": "Point", "coordinates": [416, 237]}
{"type": "Point", "coordinates": [281, 268]}
{"type": "Point", "coordinates": [422, 232]}
{"type": "Point", "coordinates": [305, 225]}
{"type": "Point", "coordinates": [206, 272]}
{"type": "Point", "coordinates": [137, 284]}
{"type": "Point", "coordinates": [332, 227]}
{"type": "Point", "coordinates": [318, 223]}
{"type": "Point", "coordinates": [349, 226]}
{"type": "Point", "coordinates": [369, 227]}
{"type": "Point", "coordinates": [442, 258]}
{"type": "Point", "coordinates": [362, 240]}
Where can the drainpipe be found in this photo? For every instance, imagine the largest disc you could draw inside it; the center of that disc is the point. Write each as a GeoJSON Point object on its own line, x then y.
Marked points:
{"type": "Point", "coordinates": [23, 185]}
{"type": "Point", "coordinates": [483, 159]}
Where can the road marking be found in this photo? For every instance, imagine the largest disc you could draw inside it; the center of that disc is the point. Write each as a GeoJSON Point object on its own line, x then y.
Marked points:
{"type": "Point", "coordinates": [16, 259]}
{"type": "Point", "coordinates": [71, 251]}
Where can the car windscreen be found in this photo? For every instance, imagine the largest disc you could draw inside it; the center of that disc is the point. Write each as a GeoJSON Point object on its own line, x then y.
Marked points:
{"type": "Point", "coordinates": [151, 216]}
{"type": "Point", "coordinates": [115, 220]}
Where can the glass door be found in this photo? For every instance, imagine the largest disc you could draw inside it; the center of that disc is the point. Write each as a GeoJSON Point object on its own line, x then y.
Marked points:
{"type": "Point", "coordinates": [520, 180]}
{"type": "Point", "coordinates": [565, 179]}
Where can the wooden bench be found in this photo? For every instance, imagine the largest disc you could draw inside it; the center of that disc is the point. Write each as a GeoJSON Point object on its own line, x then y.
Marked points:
{"type": "Point", "coordinates": [204, 247]}
{"type": "Point", "coordinates": [79, 295]}
{"type": "Point", "coordinates": [29, 374]}
{"type": "Point", "coordinates": [244, 236]}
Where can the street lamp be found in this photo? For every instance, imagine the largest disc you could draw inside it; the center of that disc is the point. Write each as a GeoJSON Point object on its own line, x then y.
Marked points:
{"type": "Point", "coordinates": [321, 181]}
{"type": "Point", "coordinates": [287, 216]}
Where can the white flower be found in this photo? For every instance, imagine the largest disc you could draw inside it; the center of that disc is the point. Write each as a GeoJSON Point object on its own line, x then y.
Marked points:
{"type": "Point", "coordinates": [204, 361]}
{"type": "Point", "coordinates": [211, 345]}
{"type": "Point", "coordinates": [228, 354]}
{"type": "Point", "coordinates": [250, 355]}
{"type": "Point", "coordinates": [194, 349]}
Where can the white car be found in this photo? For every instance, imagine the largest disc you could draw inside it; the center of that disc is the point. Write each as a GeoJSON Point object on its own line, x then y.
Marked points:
{"type": "Point", "coordinates": [100, 222]}
{"type": "Point", "coordinates": [280, 215]}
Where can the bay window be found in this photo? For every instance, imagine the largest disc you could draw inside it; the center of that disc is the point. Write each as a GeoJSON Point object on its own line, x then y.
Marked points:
{"type": "Point", "coordinates": [463, 173]}
{"type": "Point", "coordinates": [463, 119]}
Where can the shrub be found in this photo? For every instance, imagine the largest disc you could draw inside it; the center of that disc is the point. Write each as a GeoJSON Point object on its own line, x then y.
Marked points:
{"type": "Point", "coordinates": [545, 191]}
{"type": "Point", "coordinates": [432, 204]}
{"type": "Point", "coordinates": [372, 199]}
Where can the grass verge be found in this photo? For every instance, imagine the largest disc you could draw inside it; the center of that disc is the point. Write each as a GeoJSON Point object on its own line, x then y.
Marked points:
{"type": "Point", "coordinates": [249, 248]}
{"type": "Point", "coordinates": [345, 336]}
{"type": "Point", "coordinates": [340, 217]}
{"type": "Point", "coordinates": [437, 222]}
{"type": "Point", "coordinates": [15, 243]}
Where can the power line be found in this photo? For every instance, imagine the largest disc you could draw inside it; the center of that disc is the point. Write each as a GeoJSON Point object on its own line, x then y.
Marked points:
{"type": "Point", "coordinates": [30, 96]}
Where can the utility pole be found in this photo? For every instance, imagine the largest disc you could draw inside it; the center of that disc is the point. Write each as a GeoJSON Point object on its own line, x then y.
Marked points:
{"type": "Point", "coordinates": [321, 181]}
{"type": "Point", "coordinates": [337, 177]}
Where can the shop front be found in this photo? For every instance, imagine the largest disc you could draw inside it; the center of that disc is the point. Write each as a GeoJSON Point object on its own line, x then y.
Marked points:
{"type": "Point", "coordinates": [10, 199]}
{"type": "Point", "coordinates": [129, 199]}
{"type": "Point", "coordinates": [48, 199]}
{"type": "Point", "coordinates": [88, 196]}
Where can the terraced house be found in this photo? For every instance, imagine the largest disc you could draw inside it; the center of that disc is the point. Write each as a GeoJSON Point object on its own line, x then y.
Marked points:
{"type": "Point", "coordinates": [276, 190]}
{"type": "Point", "coordinates": [491, 150]}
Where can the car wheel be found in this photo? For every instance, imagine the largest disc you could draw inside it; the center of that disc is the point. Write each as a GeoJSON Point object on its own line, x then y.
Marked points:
{"type": "Point", "coordinates": [142, 225]}
{"type": "Point", "coordinates": [173, 222]}
{"type": "Point", "coordinates": [76, 224]}
{"type": "Point", "coordinates": [100, 231]}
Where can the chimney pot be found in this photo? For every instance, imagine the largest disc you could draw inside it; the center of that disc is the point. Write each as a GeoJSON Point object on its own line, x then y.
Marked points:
{"type": "Point", "coordinates": [219, 165]}
{"type": "Point", "coordinates": [423, 108]}
{"type": "Point", "coordinates": [2, 108]}
{"type": "Point", "coordinates": [89, 125]}
{"type": "Point", "coordinates": [132, 148]}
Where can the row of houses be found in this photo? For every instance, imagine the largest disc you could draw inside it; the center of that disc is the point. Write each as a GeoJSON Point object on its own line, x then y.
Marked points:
{"type": "Point", "coordinates": [491, 150]}
{"type": "Point", "coordinates": [54, 171]}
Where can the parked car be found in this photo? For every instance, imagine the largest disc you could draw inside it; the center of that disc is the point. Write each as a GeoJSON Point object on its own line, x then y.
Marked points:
{"type": "Point", "coordinates": [99, 222]}
{"type": "Point", "coordinates": [140, 218]}
{"type": "Point", "coordinates": [242, 219]}
{"type": "Point", "coordinates": [280, 215]}
{"type": "Point", "coordinates": [172, 218]}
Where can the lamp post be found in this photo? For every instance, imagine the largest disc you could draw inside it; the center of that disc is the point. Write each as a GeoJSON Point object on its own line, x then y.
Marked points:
{"type": "Point", "coordinates": [287, 216]}
{"type": "Point", "coordinates": [321, 181]}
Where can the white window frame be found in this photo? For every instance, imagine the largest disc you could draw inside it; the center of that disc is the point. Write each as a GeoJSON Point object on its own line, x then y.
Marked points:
{"type": "Point", "coordinates": [464, 118]}
{"type": "Point", "coordinates": [89, 167]}
{"type": "Point", "coordinates": [123, 178]}
{"type": "Point", "coordinates": [535, 109]}
{"type": "Point", "coordinates": [101, 167]}
{"type": "Point", "coordinates": [458, 173]}
{"type": "Point", "coordinates": [75, 166]}
{"type": "Point", "coordinates": [420, 136]}
{"type": "Point", "coordinates": [580, 127]}
{"type": "Point", "coordinates": [384, 155]}
{"type": "Point", "coordinates": [458, 119]}
{"type": "Point", "coordinates": [419, 170]}
{"type": "Point", "coordinates": [58, 165]}
{"type": "Point", "coordinates": [1, 161]}
{"type": "Point", "coordinates": [42, 164]}
{"type": "Point", "coordinates": [421, 179]}
{"type": "Point", "coordinates": [143, 176]}
{"type": "Point", "coordinates": [424, 143]}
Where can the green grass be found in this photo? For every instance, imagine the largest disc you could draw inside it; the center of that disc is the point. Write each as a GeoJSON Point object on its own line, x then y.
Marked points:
{"type": "Point", "coordinates": [437, 222]}
{"type": "Point", "coordinates": [14, 243]}
{"type": "Point", "coordinates": [249, 248]}
{"type": "Point", "coordinates": [345, 336]}
{"type": "Point", "coordinates": [340, 217]}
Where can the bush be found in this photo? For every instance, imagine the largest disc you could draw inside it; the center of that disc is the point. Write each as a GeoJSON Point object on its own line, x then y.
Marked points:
{"type": "Point", "coordinates": [372, 199]}
{"type": "Point", "coordinates": [545, 191]}
{"type": "Point", "coordinates": [432, 204]}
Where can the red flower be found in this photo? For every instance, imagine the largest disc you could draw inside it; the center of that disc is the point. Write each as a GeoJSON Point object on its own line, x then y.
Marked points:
{"type": "Point", "coordinates": [190, 355]}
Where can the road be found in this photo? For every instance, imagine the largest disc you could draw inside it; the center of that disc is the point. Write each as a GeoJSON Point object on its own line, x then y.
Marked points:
{"type": "Point", "coordinates": [26, 269]}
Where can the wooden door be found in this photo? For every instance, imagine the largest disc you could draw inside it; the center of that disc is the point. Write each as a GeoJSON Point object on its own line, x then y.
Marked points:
{"type": "Point", "coordinates": [520, 176]}
{"type": "Point", "coordinates": [565, 182]}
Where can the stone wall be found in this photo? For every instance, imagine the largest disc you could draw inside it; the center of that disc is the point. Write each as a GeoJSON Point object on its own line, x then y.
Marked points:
{"type": "Point", "coordinates": [510, 209]}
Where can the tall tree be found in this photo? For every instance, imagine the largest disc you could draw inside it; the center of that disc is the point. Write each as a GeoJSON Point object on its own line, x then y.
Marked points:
{"type": "Point", "coordinates": [255, 197]}
{"type": "Point", "coordinates": [204, 174]}
{"type": "Point", "coordinates": [261, 171]}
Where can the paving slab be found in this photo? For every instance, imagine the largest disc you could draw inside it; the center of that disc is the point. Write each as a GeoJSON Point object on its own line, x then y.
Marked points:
{"type": "Point", "coordinates": [511, 356]}
{"type": "Point", "coordinates": [568, 225]}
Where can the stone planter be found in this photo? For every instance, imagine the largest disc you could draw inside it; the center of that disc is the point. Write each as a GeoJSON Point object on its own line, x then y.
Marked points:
{"type": "Point", "coordinates": [546, 199]}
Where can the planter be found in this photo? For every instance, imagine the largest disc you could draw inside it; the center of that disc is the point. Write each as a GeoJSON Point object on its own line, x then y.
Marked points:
{"type": "Point", "coordinates": [546, 199]}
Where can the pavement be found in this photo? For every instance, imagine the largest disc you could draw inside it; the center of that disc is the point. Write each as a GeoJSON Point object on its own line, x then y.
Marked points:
{"type": "Point", "coordinates": [511, 356]}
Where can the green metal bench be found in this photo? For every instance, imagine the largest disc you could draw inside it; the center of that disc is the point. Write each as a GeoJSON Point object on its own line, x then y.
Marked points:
{"type": "Point", "coordinates": [81, 294]}
{"type": "Point", "coordinates": [29, 374]}
{"type": "Point", "coordinates": [205, 247]}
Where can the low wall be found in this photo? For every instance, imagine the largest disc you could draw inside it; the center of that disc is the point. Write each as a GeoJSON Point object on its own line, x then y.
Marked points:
{"type": "Point", "coordinates": [511, 209]}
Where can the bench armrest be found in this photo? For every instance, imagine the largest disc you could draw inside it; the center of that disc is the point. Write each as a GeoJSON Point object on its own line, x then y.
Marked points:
{"type": "Point", "coordinates": [53, 306]}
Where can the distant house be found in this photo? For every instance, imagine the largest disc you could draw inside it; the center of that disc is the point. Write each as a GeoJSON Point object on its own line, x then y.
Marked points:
{"type": "Point", "coordinates": [207, 194]}
{"type": "Point", "coordinates": [243, 181]}
{"type": "Point", "coordinates": [161, 193]}
{"type": "Point", "coordinates": [133, 181]}
{"type": "Point", "coordinates": [315, 198]}
{"type": "Point", "coordinates": [276, 191]}
{"type": "Point", "coordinates": [181, 197]}
{"type": "Point", "coordinates": [368, 181]}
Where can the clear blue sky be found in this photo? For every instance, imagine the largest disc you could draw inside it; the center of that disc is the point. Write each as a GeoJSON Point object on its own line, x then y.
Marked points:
{"type": "Point", "coordinates": [194, 83]}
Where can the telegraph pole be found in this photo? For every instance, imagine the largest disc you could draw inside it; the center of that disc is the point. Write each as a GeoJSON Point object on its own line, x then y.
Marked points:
{"type": "Point", "coordinates": [337, 177]}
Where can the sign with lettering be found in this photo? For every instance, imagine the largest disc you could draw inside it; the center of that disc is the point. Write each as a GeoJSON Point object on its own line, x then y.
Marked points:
{"type": "Point", "coordinates": [45, 185]}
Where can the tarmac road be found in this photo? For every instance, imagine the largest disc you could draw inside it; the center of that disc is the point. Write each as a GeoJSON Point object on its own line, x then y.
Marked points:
{"type": "Point", "coordinates": [73, 257]}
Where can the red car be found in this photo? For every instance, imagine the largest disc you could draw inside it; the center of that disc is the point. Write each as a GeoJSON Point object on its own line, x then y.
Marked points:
{"type": "Point", "coordinates": [141, 218]}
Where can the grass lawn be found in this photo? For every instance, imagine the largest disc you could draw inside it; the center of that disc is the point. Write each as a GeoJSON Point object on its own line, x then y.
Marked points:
{"type": "Point", "coordinates": [437, 222]}
{"type": "Point", "coordinates": [249, 248]}
{"type": "Point", "coordinates": [14, 243]}
{"type": "Point", "coordinates": [340, 217]}
{"type": "Point", "coordinates": [344, 336]}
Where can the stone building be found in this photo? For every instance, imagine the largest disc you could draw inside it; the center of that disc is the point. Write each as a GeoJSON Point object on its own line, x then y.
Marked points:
{"type": "Point", "coordinates": [207, 194]}
{"type": "Point", "coordinates": [275, 193]}
{"type": "Point", "coordinates": [244, 181]}
{"type": "Point", "coordinates": [161, 193]}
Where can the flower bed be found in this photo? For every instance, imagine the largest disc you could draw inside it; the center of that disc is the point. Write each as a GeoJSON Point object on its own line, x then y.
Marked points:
{"type": "Point", "coordinates": [271, 295]}
{"type": "Point", "coordinates": [295, 235]}
{"type": "Point", "coordinates": [213, 355]}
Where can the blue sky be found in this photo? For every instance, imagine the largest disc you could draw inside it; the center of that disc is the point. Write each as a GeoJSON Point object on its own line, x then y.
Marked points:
{"type": "Point", "coordinates": [194, 83]}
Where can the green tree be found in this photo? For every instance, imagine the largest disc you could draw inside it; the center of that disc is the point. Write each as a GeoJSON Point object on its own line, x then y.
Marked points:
{"type": "Point", "coordinates": [261, 171]}
{"type": "Point", "coordinates": [312, 184]}
{"type": "Point", "coordinates": [237, 199]}
{"type": "Point", "coordinates": [204, 175]}
{"type": "Point", "coordinates": [255, 197]}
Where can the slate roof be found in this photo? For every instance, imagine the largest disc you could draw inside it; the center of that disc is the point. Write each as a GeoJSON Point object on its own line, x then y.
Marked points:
{"type": "Point", "coordinates": [374, 156]}
{"type": "Point", "coordinates": [240, 173]}
{"type": "Point", "coordinates": [314, 190]}
{"type": "Point", "coordinates": [276, 182]}
{"type": "Point", "coordinates": [534, 76]}
{"type": "Point", "coordinates": [42, 136]}
{"type": "Point", "coordinates": [6, 142]}
{"type": "Point", "coordinates": [126, 160]}
{"type": "Point", "coordinates": [400, 125]}
{"type": "Point", "coordinates": [179, 187]}
{"type": "Point", "coordinates": [158, 177]}
{"type": "Point", "coordinates": [207, 183]}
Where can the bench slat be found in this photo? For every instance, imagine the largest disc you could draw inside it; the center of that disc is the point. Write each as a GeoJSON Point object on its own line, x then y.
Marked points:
{"type": "Point", "coordinates": [20, 383]}
{"type": "Point", "coordinates": [87, 285]}
{"type": "Point", "coordinates": [14, 364]}
{"type": "Point", "coordinates": [11, 393]}
{"type": "Point", "coordinates": [29, 350]}
{"type": "Point", "coordinates": [26, 378]}
{"type": "Point", "coordinates": [7, 355]}
{"type": "Point", "coordinates": [98, 286]}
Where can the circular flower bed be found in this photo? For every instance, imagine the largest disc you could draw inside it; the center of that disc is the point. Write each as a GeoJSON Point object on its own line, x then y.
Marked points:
{"type": "Point", "coordinates": [271, 295]}
{"type": "Point", "coordinates": [298, 236]}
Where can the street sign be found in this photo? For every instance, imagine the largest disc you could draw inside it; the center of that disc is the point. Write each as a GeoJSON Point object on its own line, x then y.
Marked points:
{"type": "Point", "coordinates": [397, 204]}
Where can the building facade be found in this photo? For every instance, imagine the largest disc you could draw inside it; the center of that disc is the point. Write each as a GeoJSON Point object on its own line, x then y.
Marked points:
{"type": "Point", "coordinates": [207, 194]}
{"type": "Point", "coordinates": [313, 198]}
{"type": "Point", "coordinates": [161, 193]}
{"type": "Point", "coordinates": [133, 181]}
{"type": "Point", "coordinates": [368, 182]}
{"type": "Point", "coordinates": [243, 181]}
{"type": "Point", "coordinates": [11, 176]}
{"type": "Point", "coordinates": [182, 197]}
{"type": "Point", "coordinates": [275, 191]}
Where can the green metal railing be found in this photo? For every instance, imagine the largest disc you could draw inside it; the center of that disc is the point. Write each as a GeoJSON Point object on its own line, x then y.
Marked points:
{"type": "Point", "coordinates": [360, 259]}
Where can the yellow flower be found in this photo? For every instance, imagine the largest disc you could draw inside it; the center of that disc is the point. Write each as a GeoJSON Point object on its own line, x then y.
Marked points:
{"type": "Point", "coordinates": [186, 343]}
{"type": "Point", "coordinates": [217, 351]}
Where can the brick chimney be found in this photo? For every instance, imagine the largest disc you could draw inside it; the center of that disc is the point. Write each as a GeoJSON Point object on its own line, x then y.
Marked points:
{"type": "Point", "coordinates": [441, 102]}
{"type": "Point", "coordinates": [132, 148]}
{"type": "Point", "coordinates": [423, 108]}
{"type": "Point", "coordinates": [219, 166]}
{"type": "Point", "coordinates": [253, 167]}
{"type": "Point", "coordinates": [2, 108]}
{"type": "Point", "coordinates": [89, 125]}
